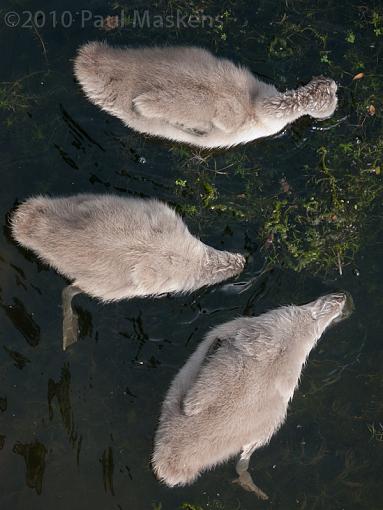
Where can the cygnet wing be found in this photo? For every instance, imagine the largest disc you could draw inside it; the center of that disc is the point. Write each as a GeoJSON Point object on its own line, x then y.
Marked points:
{"type": "Point", "coordinates": [194, 109]}
{"type": "Point", "coordinates": [220, 377]}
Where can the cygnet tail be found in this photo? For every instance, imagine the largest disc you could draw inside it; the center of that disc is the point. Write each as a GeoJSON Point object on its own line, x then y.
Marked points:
{"type": "Point", "coordinates": [94, 68]}
{"type": "Point", "coordinates": [172, 463]}
{"type": "Point", "coordinates": [29, 220]}
{"type": "Point", "coordinates": [221, 265]}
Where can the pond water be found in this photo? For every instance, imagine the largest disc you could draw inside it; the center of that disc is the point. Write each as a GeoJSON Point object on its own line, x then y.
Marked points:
{"type": "Point", "coordinates": [76, 428]}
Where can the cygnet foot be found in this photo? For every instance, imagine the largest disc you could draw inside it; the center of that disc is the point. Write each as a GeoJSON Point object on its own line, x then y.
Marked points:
{"type": "Point", "coordinates": [70, 318]}
{"type": "Point", "coordinates": [70, 330]}
{"type": "Point", "coordinates": [246, 482]}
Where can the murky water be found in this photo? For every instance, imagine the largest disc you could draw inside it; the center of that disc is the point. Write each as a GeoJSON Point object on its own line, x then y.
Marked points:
{"type": "Point", "coordinates": [76, 428]}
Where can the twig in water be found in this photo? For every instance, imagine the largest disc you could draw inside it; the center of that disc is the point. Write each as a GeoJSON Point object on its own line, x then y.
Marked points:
{"type": "Point", "coordinates": [340, 265]}
{"type": "Point", "coordinates": [42, 42]}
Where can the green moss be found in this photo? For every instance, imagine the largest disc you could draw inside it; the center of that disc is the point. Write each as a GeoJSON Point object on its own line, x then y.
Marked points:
{"type": "Point", "coordinates": [209, 192]}
{"type": "Point", "coordinates": [181, 183]}
{"type": "Point", "coordinates": [324, 57]}
{"type": "Point", "coordinates": [211, 505]}
{"type": "Point", "coordinates": [350, 38]}
{"type": "Point", "coordinates": [324, 231]}
{"type": "Point", "coordinates": [377, 23]}
{"type": "Point", "coordinates": [280, 48]}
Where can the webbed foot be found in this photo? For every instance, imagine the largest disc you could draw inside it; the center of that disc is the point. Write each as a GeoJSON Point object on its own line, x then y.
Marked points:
{"type": "Point", "coordinates": [246, 482]}
{"type": "Point", "coordinates": [70, 330]}
{"type": "Point", "coordinates": [70, 318]}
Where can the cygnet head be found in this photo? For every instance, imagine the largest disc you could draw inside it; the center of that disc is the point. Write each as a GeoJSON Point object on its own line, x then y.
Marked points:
{"type": "Point", "coordinates": [322, 97]}
{"type": "Point", "coordinates": [233, 262]}
{"type": "Point", "coordinates": [330, 309]}
{"type": "Point", "coordinates": [220, 265]}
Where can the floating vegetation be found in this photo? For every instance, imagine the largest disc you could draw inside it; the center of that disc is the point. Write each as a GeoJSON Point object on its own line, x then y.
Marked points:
{"type": "Point", "coordinates": [211, 505]}
{"type": "Point", "coordinates": [14, 100]}
{"type": "Point", "coordinates": [12, 97]}
{"type": "Point", "coordinates": [322, 230]}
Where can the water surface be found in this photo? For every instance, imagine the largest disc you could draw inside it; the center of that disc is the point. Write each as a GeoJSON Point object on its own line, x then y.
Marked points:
{"type": "Point", "coordinates": [76, 428]}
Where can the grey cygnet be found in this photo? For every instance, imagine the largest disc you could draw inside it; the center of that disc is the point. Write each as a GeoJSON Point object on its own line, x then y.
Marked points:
{"type": "Point", "coordinates": [232, 394]}
{"type": "Point", "coordinates": [188, 95]}
{"type": "Point", "coordinates": [114, 248]}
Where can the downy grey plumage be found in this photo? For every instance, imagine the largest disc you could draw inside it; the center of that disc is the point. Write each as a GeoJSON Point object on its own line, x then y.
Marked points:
{"type": "Point", "coordinates": [114, 248]}
{"type": "Point", "coordinates": [189, 95]}
{"type": "Point", "coordinates": [232, 394]}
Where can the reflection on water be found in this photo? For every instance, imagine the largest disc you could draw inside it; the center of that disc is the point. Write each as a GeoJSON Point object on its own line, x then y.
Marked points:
{"type": "Point", "coordinates": [61, 392]}
{"type": "Point", "coordinates": [310, 195]}
{"type": "Point", "coordinates": [19, 360]}
{"type": "Point", "coordinates": [107, 469]}
{"type": "Point", "coordinates": [3, 404]}
{"type": "Point", "coordinates": [23, 321]}
{"type": "Point", "coordinates": [34, 457]}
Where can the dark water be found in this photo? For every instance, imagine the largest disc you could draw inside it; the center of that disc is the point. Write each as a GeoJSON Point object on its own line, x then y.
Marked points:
{"type": "Point", "coordinates": [76, 428]}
